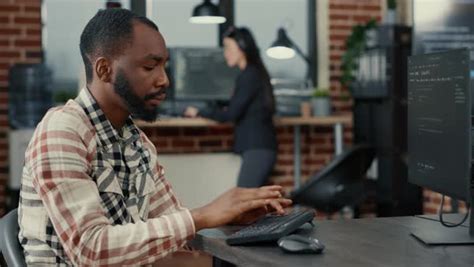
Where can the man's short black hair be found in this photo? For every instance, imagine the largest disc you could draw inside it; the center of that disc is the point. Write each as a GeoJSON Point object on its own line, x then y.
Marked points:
{"type": "Point", "coordinates": [107, 34]}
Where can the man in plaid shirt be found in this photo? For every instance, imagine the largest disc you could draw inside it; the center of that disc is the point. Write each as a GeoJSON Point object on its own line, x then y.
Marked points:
{"type": "Point", "coordinates": [92, 191]}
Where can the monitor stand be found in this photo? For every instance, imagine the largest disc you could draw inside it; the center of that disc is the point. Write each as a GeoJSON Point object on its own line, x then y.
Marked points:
{"type": "Point", "coordinates": [434, 233]}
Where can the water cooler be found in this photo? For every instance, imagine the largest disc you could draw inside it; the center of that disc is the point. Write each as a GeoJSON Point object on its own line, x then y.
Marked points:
{"type": "Point", "coordinates": [30, 96]}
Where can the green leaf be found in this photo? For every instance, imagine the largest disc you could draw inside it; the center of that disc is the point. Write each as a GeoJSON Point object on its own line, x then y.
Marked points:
{"type": "Point", "coordinates": [355, 45]}
{"type": "Point", "coordinates": [320, 92]}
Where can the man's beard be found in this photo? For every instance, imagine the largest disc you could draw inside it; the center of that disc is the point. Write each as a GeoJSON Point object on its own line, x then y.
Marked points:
{"type": "Point", "coordinates": [136, 105]}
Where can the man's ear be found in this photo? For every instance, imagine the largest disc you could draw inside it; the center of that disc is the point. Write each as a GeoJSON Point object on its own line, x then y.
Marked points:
{"type": "Point", "coordinates": [103, 69]}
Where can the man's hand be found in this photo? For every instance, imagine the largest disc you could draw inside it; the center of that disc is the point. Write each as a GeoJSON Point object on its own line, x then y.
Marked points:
{"type": "Point", "coordinates": [253, 215]}
{"type": "Point", "coordinates": [240, 205]}
{"type": "Point", "coordinates": [191, 112]}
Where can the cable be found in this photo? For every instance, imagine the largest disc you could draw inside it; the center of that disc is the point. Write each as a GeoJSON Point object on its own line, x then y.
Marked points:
{"type": "Point", "coordinates": [451, 224]}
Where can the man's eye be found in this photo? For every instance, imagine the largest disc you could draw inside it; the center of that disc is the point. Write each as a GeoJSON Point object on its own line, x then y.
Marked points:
{"type": "Point", "coordinates": [148, 68]}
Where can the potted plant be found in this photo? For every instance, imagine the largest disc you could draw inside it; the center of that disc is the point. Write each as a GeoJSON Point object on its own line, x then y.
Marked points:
{"type": "Point", "coordinates": [355, 45]}
{"type": "Point", "coordinates": [321, 102]}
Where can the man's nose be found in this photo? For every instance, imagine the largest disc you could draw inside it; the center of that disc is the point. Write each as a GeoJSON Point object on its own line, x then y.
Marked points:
{"type": "Point", "coordinates": [162, 80]}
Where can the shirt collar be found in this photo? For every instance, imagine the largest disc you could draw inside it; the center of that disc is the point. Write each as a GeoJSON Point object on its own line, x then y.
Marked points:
{"type": "Point", "coordinates": [107, 134]}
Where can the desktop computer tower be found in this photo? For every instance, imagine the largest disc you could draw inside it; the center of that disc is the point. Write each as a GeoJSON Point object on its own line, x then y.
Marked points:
{"type": "Point", "coordinates": [380, 117]}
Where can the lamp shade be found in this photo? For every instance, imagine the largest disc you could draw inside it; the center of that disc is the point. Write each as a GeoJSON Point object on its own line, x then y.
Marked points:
{"type": "Point", "coordinates": [282, 48]}
{"type": "Point", "coordinates": [206, 13]}
{"type": "Point", "coordinates": [113, 4]}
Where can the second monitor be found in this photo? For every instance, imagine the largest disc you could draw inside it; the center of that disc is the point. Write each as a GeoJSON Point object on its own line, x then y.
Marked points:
{"type": "Point", "coordinates": [199, 73]}
{"type": "Point", "coordinates": [439, 133]}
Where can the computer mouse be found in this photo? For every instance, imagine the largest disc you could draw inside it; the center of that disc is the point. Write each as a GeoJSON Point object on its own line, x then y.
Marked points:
{"type": "Point", "coordinates": [300, 244]}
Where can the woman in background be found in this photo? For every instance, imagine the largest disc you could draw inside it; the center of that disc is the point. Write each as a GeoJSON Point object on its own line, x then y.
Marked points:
{"type": "Point", "coordinates": [251, 109]}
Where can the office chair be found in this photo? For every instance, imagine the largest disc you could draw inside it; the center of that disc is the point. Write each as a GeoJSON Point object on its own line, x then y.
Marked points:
{"type": "Point", "coordinates": [341, 183]}
{"type": "Point", "coordinates": [9, 244]}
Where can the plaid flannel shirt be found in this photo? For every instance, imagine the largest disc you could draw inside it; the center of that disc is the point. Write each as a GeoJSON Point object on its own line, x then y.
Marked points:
{"type": "Point", "coordinates": [92, 195]}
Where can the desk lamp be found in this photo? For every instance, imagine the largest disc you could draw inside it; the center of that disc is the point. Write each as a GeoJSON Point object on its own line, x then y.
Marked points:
{"type": "Point", "coordinates": [206, 13]}
{"type": "Point", "coordinates": [285, 48]}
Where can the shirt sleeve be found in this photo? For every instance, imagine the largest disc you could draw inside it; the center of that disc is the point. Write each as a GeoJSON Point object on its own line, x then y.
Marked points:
{"type": "Point", "coordinates": [164, 200]}
{"type": "Point", "coordinates": [246, 89]}
{"type": "Point", "coordinates": [60, 162]}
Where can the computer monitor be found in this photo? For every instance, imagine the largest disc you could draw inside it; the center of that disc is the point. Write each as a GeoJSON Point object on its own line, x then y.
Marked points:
{"type": "Point", "coordinates": [439, 133]}
{"type": "Point", "coordinates": [199, 73]}
{"type": "Point", "coordinates": [439, 25]}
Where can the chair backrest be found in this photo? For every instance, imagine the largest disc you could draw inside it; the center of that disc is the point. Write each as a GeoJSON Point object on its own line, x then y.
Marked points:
{"type": "Point", "coordinates": [340, 183]}
{"type": "Point", "coordinates": [10, 246]}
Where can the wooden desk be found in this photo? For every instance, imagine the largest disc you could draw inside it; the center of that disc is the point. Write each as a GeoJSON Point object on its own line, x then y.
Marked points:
{"type": "Point", "coordinates": [178, 122]}
{"type": "Point", "coordinates": [279, 121]}
{"type": "Point", "coordinates": [337, 121]}
{"type": "Point", "coordinates": [357, 242]}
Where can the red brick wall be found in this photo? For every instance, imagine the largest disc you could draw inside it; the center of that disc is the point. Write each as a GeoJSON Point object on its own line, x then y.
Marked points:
{"type": "Point", "coordinates": [317, 145]}
{"type": "Point", "coordinates": [20, 42]}
{"type": "Point", "coordinates": [432, 201]}
{"type": "Point", "coordinates": [343, 15]}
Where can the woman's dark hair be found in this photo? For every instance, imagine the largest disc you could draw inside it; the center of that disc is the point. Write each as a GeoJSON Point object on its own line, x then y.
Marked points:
{"type": "Point", "coordinates": [246, 43]}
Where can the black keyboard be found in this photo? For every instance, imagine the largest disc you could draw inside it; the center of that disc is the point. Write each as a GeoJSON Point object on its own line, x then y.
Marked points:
{"type": "Point", "coordinates": [271, 227]}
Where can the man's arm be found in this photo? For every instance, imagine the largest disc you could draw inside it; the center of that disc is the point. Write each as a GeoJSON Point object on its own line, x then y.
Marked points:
{"type": "Point", "coordinates": [59, 161]}
{"type": "Point", "coordinates": [237, 205]}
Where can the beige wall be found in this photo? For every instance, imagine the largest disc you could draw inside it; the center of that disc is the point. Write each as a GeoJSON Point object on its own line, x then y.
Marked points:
{"type": "Point", "coordinates": [199, 178]}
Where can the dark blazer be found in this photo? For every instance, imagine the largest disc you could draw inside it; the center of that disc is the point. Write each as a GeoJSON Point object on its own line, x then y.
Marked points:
{"type": "Point", "coordinates": [254, 127]}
